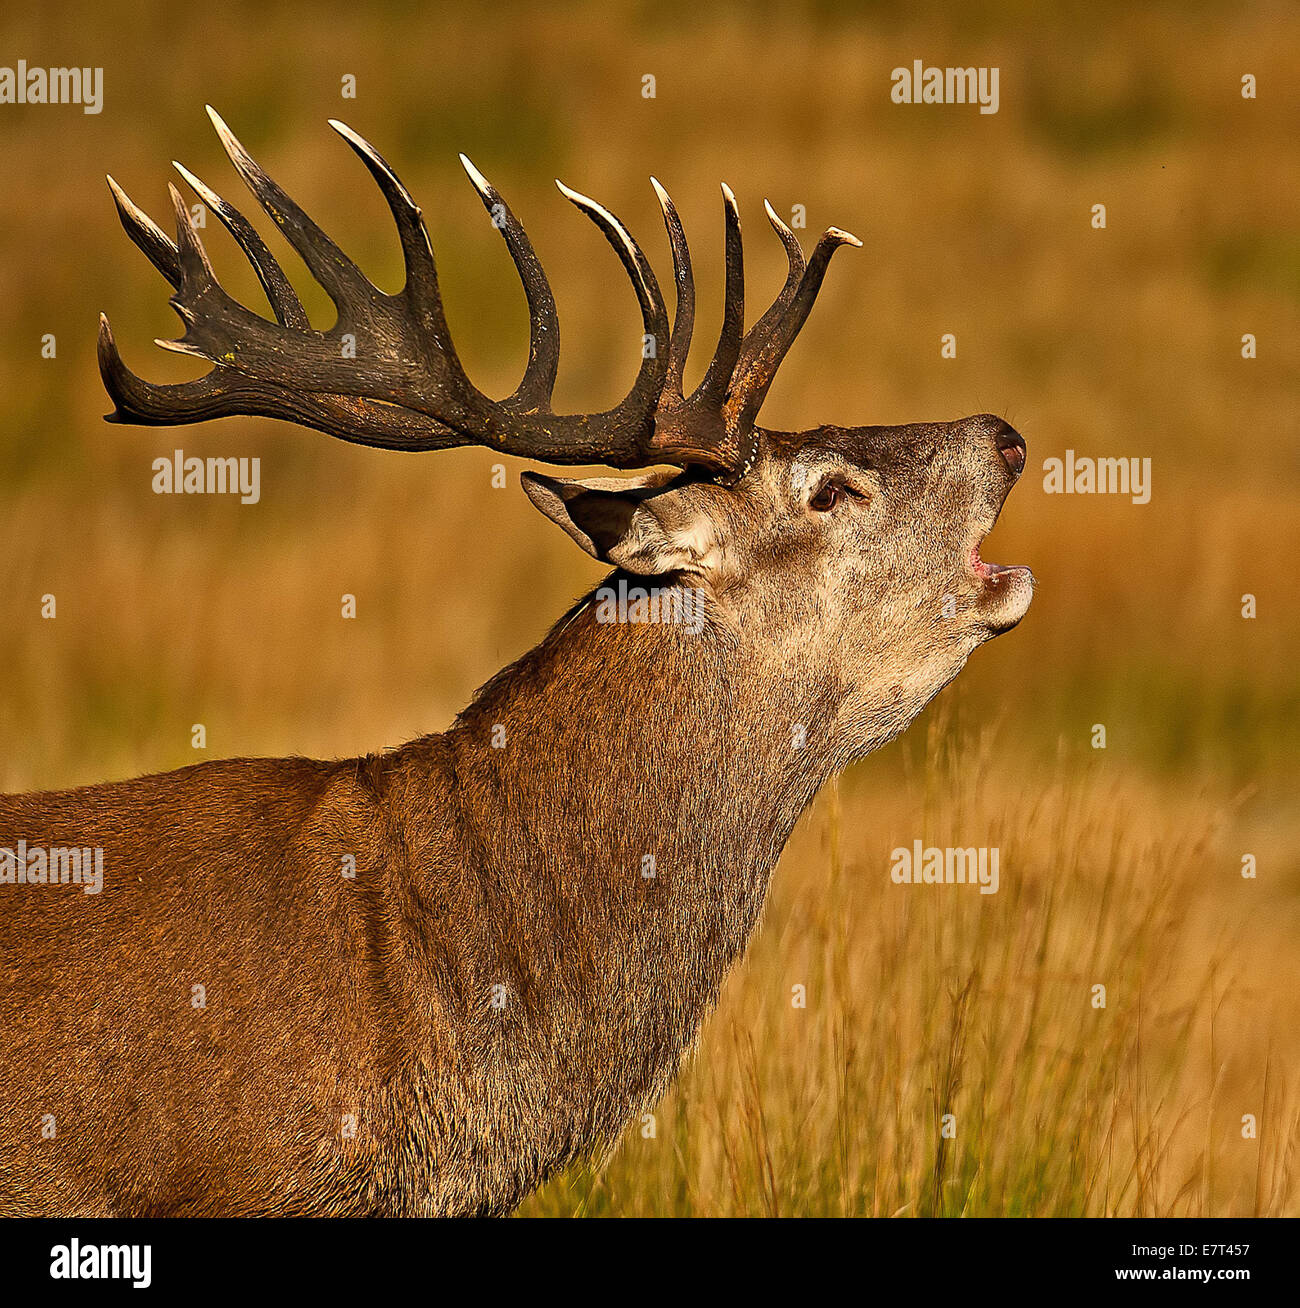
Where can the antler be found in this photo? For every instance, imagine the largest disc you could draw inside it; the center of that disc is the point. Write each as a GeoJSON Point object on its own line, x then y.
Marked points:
{"type": "Point", "coordinates": [400, 384]}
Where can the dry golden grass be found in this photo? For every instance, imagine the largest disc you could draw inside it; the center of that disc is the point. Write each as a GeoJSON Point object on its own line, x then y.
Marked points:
{"type": "Point", "coordinates": [1120, 867]}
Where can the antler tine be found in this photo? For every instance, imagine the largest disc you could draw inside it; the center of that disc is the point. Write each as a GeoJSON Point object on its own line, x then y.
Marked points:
{"type": "Point", "coordinates": [761, 333]}
{"type": "Point", "coordinates": [134, 398]}
{"type": "Point", "coordinates": [793, 250]}
{"type": "Point", "coordinates": [197, 276]}
{"type": "Point", "coordinates": [654, 316]}
{"type": "Point", "coordinates": [767, 343]}
{"type": "Point", "coordinates": [417, 252]}
{"type": "Point", "coordinates": [341, 279]}
{"type": "Point", "coordinates": [679, 345]}
{"type": "Point", "coordinates": [421, 292]}
{"type": "Point", "coordinates": [533, 394]}
{"type": "Point", "coordinates": [711, 391]}
{"type": "Point", "coordinates": [146, 235]}
{"type": "Point", "coordinates": [811, 281]}
{"type": "Point", "coordinates": [763, 328]}
{"type": "Point", "coordinates": [281, 296]}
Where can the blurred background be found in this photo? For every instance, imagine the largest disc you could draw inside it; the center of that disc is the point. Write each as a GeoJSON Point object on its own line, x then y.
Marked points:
{"type": "Point", "coordinates": [1120, 866]}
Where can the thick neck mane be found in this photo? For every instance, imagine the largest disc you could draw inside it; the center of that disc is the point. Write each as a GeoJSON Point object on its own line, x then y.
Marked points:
{"type": "Point", "coordinates": [623, 797]}
{"type": "Point", "coordinates": [636, 761]}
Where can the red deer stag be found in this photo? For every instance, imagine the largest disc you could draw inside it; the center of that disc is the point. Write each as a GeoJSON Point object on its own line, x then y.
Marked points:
{"type": "Point", "coordinates": [432, 976]}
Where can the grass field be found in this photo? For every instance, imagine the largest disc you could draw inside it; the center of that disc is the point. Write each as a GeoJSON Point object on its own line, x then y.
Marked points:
{"type": "Point", "coordinates": [1121, 867]}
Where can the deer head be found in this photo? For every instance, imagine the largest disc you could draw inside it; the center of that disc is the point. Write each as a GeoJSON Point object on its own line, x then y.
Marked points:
{"type": "Point", "coordinates": [848, 555]}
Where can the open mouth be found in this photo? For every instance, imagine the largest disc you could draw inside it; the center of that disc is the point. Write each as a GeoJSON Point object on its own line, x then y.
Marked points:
{"type": "Point", "coordinates": [994, 574]}
{"type": "Point", "coordinates": [1005, 591]}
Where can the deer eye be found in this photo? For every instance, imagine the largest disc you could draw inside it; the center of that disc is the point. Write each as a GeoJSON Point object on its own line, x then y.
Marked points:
{"type": "Point", "coordinates": [826, 498]}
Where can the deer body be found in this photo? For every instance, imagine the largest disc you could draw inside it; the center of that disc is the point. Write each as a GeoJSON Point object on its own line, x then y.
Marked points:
{"type": "Point", "coordinates": [420, 981]}
{"type": "Point", "coordinates": [335, 1004]}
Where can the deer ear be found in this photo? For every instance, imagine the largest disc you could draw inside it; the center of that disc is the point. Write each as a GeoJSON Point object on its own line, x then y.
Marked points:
{"type": "Point", "coordinates": [645, 525]}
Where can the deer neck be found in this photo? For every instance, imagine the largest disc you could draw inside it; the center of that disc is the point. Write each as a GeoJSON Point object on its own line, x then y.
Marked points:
{"type": "Point", "coordinates": [630, 787]}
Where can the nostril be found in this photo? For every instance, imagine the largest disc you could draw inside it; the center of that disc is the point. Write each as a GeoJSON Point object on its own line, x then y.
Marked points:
{"type": "Point", "coordinates": [1011, 446]}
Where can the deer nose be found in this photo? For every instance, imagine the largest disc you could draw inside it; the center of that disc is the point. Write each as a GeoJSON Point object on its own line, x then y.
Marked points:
{"type": "Point", "coordinates": [1011, 446]}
